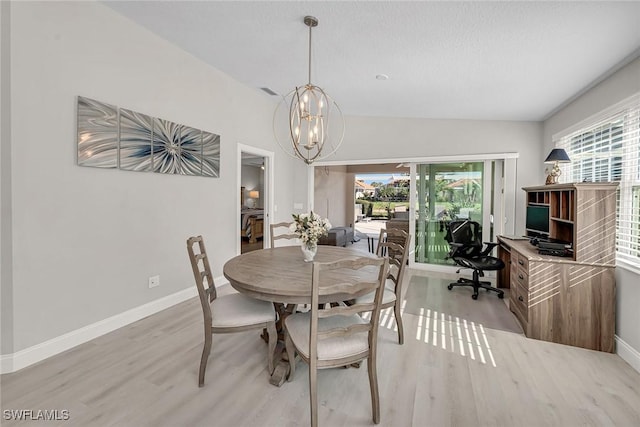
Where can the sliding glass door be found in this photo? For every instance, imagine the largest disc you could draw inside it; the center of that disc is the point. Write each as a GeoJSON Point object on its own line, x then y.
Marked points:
{"type": "Point", "coordinates": [445, 192]}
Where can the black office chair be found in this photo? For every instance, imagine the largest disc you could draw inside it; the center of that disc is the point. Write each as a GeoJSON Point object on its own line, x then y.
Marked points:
{"type": "Point", "coordinates": [467, 251]}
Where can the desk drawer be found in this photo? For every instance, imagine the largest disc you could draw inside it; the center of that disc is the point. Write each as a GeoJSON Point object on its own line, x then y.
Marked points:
{"type": "Point", "coordinates": [519, 303]}
{"type": "Point", "coordinates": [520, 276]}
{"type": "Point", "coordinates": [520, 261]}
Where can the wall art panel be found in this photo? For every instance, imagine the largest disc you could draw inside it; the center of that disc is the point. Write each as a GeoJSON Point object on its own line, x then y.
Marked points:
{"type": "Point", "coordinates": [166, 146]}
{"type": "Point", "coordinates": [97, 134]}
{"type": "Point", "coordinates": [136, 133]}
{"type": "Point", "coordinates": [210, 154]}
{"type": "Point", "coordinates": [109, 137]}
{"type": "Point", "coordinates": [190, 151]}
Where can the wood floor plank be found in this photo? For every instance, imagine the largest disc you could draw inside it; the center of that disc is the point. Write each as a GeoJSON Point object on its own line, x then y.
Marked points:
{"type": "Point", "coordinates": [464, 363]}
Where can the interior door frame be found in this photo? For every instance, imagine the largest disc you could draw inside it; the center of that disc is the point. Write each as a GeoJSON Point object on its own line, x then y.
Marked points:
{"type": "Point", "coordinates": [269, 159]}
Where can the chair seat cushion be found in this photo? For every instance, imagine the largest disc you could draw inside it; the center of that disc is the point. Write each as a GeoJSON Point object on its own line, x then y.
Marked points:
{"type": "Point", "coordinates": [388, 296]}
{"type": "Point", "coordinates": [236, 310]}
{"type": "Point", "coordinates": [330, 348]}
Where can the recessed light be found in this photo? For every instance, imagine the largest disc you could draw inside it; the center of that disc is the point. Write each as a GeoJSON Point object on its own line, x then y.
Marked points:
{"type": "Point", "coordinates": [382, 77]}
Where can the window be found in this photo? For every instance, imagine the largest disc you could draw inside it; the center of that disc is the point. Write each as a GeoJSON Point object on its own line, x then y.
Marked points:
{"type": "Point", "coordinates": [607, 148]}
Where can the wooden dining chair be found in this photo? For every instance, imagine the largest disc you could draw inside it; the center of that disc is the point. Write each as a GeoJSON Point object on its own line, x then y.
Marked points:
{"type": "Point", "coordinates": [394, 244]}
{"type": "Point", "coordinates": [338, 336]}
{"type": "Point", "coordinates": [228, 313]}
{"type": "Point", "coordinates": [292, 238]}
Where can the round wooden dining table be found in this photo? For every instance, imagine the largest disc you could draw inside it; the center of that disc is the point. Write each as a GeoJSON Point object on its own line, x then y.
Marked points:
{"type": "Point", "coordinates": [281, 275]}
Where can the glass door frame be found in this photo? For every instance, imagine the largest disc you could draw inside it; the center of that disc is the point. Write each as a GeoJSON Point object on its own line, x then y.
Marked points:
{"type": "Point", "coordinates": [498, 191]}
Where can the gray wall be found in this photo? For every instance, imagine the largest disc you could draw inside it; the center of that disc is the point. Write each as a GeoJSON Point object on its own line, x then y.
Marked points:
{"type": "Point", "coordinates": [612, 90]}
{"type": "Point", "coordinates": [85, 240]}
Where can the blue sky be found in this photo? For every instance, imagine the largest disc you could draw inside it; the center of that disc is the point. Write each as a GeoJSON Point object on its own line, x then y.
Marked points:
{"type": "Point", "coordinates": [377, 177]}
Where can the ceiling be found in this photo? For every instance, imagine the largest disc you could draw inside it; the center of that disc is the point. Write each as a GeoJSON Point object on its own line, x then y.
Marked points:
{"type": "Point", "coordinates": [445, 60]}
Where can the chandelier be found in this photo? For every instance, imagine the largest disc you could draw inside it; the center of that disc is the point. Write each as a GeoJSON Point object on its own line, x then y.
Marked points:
{"type": "Point", "coordinates": [309, 137]}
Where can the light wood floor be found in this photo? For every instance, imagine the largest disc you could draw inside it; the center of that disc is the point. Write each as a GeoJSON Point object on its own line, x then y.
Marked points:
{"type": "Point", "coordinates": [464, 363]}
{"type": "Point", "coordinates": [245, 246]}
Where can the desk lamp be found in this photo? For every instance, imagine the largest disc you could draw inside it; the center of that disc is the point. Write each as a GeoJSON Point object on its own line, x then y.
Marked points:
{"type": "Point", "coordinates": [557, 155]}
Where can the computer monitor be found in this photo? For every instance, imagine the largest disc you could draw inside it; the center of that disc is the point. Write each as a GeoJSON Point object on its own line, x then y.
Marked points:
{"type": "Point", "coordinates": [538, 220]}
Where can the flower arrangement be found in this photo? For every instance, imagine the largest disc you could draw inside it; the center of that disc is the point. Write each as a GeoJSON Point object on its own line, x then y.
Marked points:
{"type": "Point", "coordinates": [309, 227]}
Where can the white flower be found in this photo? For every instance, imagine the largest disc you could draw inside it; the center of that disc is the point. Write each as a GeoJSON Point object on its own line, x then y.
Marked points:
{"type": "Point", "coordinates": [309, 227]}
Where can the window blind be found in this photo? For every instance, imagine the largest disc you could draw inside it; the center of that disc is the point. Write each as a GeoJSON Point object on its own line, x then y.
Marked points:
{"type": "Point", "coordinates": [606, 147]}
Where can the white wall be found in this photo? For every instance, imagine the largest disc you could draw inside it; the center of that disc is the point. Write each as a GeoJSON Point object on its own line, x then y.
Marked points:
{"type": "Point", "coordinates": [86, 240]}
{"type": "Point", "coordinates": [331, 188]}
{"type": "Point", "coordinates": [614, 89]}
{"type": "Point", "coordinates": [6, 267]}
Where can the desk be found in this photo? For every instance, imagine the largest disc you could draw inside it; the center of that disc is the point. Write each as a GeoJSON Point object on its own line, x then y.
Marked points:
{"type": "Point", "coordinates": [558, 299]}
{"type": "Point", "coordinates": [281, 276]}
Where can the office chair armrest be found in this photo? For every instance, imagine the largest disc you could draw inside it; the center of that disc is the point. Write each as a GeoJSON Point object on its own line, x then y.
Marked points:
{"type": "Point", "coordinates": [454, 248]}
{"type": "Point", "coordinates": [488, 248]}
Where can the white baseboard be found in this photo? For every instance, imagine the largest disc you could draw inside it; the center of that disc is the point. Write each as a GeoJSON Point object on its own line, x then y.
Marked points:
{"type": "Point", "coordinates": [23, 358]}
{"type": "Point", "coordinates": [628, 353]}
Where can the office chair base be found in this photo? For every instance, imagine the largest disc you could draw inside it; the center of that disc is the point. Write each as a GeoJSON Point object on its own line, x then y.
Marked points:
{"type": "Point", "coordinates": [476, 285]}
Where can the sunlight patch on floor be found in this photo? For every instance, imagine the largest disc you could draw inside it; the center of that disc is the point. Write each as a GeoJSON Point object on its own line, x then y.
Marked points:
{"type": "Point", "coordinates": [454, 334]}
{"type": "Point", "coordinates": [451, 333]}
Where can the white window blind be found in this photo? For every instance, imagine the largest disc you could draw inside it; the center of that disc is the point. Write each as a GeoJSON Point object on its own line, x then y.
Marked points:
{"type": "Point", "coordinates": [606, 147]}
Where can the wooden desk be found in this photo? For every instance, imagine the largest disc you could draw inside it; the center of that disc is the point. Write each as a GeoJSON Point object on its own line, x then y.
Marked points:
{"type": "Point", "coordinates": [281, 276]}
{"type": "Point", "coordinates": [558, 299]}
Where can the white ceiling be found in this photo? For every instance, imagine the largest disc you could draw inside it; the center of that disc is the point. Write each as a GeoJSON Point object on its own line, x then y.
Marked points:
{"type": "Point", "coordinates": [458, 60]}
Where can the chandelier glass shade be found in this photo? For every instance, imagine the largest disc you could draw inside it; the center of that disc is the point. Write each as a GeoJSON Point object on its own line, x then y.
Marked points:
{"type": "Point", "coordinates": [309, 136]}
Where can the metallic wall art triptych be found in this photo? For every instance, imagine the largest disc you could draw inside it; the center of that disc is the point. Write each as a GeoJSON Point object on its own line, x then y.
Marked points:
{"type": "Point", "coordinates": [109, 137]}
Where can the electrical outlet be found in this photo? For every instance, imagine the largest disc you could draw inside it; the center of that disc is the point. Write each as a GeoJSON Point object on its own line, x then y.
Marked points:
{"type": "Point", "coordinates": [154, 281]}
{"type": "Point", "coordinates": [297, 206]}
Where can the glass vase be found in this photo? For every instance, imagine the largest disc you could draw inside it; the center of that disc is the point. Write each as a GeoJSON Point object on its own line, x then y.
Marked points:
{"type": "Point", "coordinates": [308, 251]}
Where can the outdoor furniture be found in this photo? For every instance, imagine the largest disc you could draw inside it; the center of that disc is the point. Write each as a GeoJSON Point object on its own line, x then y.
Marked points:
{"type": "Point", "coordinates": [402, 224]}
{"type": "Point", "coordinates": [337, 236]}
{"type": "Point", "coordinates": [371, 241]}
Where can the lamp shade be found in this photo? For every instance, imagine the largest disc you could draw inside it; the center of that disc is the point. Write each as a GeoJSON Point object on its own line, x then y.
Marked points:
{"type": "Point", "coordinates": [254, 194]}
{"type": "Point", "coordinates": [557, 155]}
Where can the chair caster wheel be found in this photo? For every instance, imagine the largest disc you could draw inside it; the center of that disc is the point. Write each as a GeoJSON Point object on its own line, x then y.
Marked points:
{"type": "Point", "coordinates": [450, 287]}
{"type": "Point", "coordinates": [474, 296]}
{"type": "Point", "coordinates": [501, 296]}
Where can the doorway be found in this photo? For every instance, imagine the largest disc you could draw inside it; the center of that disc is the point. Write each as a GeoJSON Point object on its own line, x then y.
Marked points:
{"type": "Point", "coordinates": [254, 193]}
{"type": "Point", "coordinates": [445, 192]}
